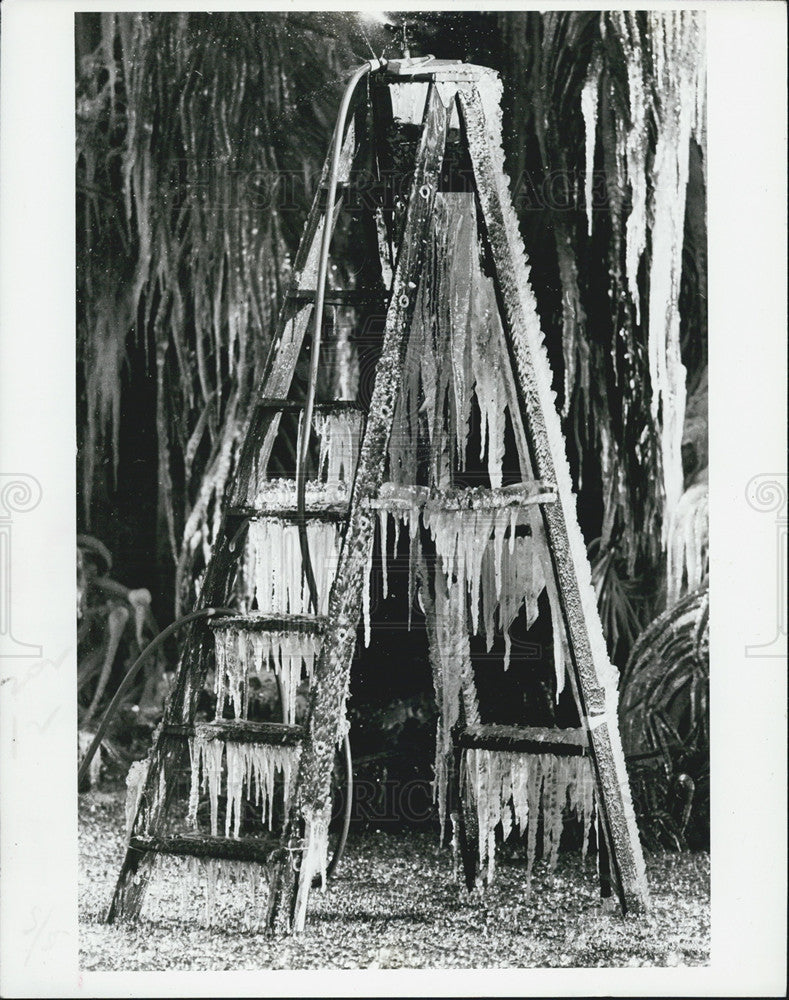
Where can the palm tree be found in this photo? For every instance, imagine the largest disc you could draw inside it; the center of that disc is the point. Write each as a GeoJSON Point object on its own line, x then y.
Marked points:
{"type": "Point", "coordinates": [198, 141]}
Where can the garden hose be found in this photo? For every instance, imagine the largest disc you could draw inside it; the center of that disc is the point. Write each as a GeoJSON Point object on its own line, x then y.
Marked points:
{"type": "Point", "coordinates": [132, 672]}
{"type": "Point", "coordinates": [372, 66]}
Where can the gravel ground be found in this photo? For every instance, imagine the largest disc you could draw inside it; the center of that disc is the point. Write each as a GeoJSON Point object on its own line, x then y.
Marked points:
{"type": "Point", "coordinates": [393, 904]}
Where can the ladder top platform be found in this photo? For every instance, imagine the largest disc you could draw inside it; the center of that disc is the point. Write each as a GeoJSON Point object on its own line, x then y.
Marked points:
{"type": "Point", "coordinates": [257, 621]}
{"type": "Point", "coordinates": [440, 70]}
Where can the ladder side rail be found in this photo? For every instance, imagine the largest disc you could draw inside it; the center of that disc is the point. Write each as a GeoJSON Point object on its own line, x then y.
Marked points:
{"type": "Point", "coordinates": [288, 898]}
{"type": "Point", "coordinates": [291, 327]}
{"type": "Point", "coordinates": [596, 676]}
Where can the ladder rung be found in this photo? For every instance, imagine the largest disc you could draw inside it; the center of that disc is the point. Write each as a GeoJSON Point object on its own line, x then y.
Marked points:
{"type": "Point", "coordinates": [394, 497]}
{"type": "Point", "coordinates": [338, 406]}
{"type": "Point", "coordinates": [257, 621]}
{"type": "Point", "coordinates": [257, 849]}
{"type": "Point", "coordinates": [239, 731]}
{"type": "Point", "coordinates": [524, 739]}
{"type": "Point", "coordinates": [337, 297]}
{"type": "Point", "coordinates": [337, 513]}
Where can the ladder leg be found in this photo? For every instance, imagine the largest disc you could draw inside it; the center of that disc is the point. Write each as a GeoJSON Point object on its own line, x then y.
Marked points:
{"type": "Point", "coordinates": [596, 678]}
{"type": "Point", "coordinates": [137, 868]}
{"type": "Point", "coordinates": [167, 755]}
{"type": "Point", "coordinates": [604, 861]}
{"type": "Point", "coordinates": [332, 672]}
{"type": "Point", "coordinates": [464, 817]}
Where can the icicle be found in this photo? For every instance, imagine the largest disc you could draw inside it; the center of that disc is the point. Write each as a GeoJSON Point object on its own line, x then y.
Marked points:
{"type": "Point", "coordinates": [414, 550]}
{"type": "Point", "coordinates": [279, 587]}
{"type": "Point", "coordinates": [241, 652]}
{"type": "Point", "coordinates": [368, 569]}
{"type": "Point", "coordinates": [135, 783]}
{"type": "Point", "coordinates": [340, 435]}
{"type": "Point", "coordinates": [589, 100]}
{"type": "Point", "coordinates": [248, 764]}
{"type": "Point", "coordinates": [211, 874]}
{"type": "Point", "coordinates": [209, 755]}
{"type": "Point", "coordinates": [382, 523]}
{"type": "Point", "coordinates": [687, 547]}
{"type": "Point", "coordinates": [194, 790]}
{"type": "Point", "coordinates": [505, 785]}
{"type": "Point", "coordinates": [470, 546]}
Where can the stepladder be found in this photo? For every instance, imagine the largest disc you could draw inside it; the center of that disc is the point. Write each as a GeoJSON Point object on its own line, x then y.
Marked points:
{"type": "Point", "coordinates": [435, 416]}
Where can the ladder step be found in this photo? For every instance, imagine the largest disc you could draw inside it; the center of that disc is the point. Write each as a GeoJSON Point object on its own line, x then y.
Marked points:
{"type": "Point", "coordinates": [337, 296]}
{"type": "Point", "coordinates": [524, 739]}
{"type": "Point", "coordinates": [258, 621]}
{"type": "Point", "coordinates": [256, 849]}
{"type": "Point", "coordinates": [337, 406]}
{"type": "Point", "coordinates": [335, 513]}
{"type": "Point", "coordinates": [239, 731]}
{"type": "Point", "coordinates": [393, 497]}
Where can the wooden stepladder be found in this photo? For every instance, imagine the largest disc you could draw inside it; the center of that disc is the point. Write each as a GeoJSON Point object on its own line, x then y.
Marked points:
{"type": "Point", "coordinates": [444, 274]}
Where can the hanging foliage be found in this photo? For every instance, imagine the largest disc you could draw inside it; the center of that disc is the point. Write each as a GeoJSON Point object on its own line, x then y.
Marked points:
{"type": "Point", "coordinates": [199, 137]}
{"type": "Point", "coordinates": [618, 98]}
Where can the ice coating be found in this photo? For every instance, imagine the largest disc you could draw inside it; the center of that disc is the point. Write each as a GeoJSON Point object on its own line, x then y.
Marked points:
{"type": "Point", "coordinates": [274, 494]}
{"type": "Point", "coordinates": [451, 361]}
{"type": "Point", "coordinates": [199, 880]}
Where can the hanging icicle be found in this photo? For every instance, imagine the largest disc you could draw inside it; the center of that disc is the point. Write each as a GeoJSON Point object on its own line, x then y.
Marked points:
{"type": "Point", "coordinates": [247, 764]}
{"type": "Point", "coordinates": [340, 437]}
{"type": "Point", "coordinates": [241, 652]}
{"type": "Point", "coordinates": [279, 584]}
{"type": "Point", "coordinates": [664, 59]}
{"type": "Point", "coordinates": [453, 356]}
{"type": "Point", "coordinates": [589, 104]}
{"type": "Point", "coordinates": [222, 888]}
{"type": "Point", "coordinates": [135, 783]}
{"type": "Point", "coordinates": [516, 789]}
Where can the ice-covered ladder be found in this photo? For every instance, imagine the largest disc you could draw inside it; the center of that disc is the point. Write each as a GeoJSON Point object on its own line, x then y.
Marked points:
{"type": "Point", "coordinates": [428, 111]}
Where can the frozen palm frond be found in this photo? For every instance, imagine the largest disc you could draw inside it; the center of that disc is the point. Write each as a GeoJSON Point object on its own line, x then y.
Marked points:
{"type": "Point", "coordinates": [241, 652]}
{"type": "Point", "coordinates": [619, 599]}
{"type": "Point", "coordinates": [517, 790]}
{"type": "Point", "coordinates": [664, 58]}
{"type": "Point", "coordinates": [688, 542]}
{"type": "Point", "coordinates": [625, 88]}
{"type": "Point", "coordinates": [667, 678]}
{"type": "Point", "coordinates": [250, 772]}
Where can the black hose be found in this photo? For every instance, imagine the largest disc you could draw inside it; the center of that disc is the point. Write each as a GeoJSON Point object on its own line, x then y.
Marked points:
{"type": "Point", "coordinates": [132, 672]}
{"type": "Point", "coordinates": [320, 290]}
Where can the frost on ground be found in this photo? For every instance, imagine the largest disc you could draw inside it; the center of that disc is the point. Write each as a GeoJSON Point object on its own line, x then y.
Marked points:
{"type": "Point", "coordinates": [393, 904]}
